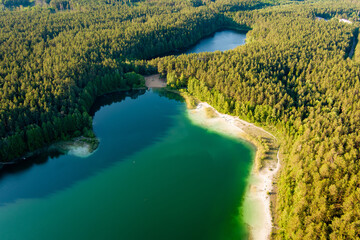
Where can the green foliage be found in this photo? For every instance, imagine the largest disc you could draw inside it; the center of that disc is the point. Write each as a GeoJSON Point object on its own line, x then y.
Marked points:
{"type": "Point", "coordinates": [133, 79]}
{"type": "Point", "coordinates": [293, 74]}
{"type": "Point", "coordinates": [54, 65]}
{"type": "Point", "coordinates": [15, 3]}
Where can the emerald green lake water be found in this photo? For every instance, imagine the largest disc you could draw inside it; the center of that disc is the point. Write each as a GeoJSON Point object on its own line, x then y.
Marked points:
{"type": "Point", "coordinates": [155, 176]}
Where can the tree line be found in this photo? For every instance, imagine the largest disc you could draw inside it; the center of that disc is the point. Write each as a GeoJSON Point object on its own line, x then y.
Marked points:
{"type": "Point", "coordinates": [53, 65]}
{"type": "Point", "coordinates": [293, 74]}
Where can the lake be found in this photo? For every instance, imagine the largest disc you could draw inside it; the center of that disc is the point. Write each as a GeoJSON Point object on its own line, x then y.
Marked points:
{"type": "Point", "coordinates": [155, 175]}
{"type": "Point", "coordinates": [219, 41]}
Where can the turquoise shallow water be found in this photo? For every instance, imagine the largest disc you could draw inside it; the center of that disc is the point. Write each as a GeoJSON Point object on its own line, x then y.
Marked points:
{"type": "Point", "coordinates": [168, 180]}
{"type": "Point", "coordinates": [154, 176]}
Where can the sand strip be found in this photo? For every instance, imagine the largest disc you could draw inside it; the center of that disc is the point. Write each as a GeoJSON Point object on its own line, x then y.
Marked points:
{"type": "Point", "coordinates": [154, 81]}
{"type": "Point", "coordinates": [256, 208]}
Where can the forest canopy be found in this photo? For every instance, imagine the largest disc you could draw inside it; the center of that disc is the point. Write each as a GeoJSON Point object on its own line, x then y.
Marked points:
{"type": "Point", "coordinates": [298, 74]}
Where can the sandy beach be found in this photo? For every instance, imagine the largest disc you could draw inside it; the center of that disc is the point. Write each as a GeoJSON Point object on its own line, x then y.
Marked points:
{"type": "Point", "coordinates": [80, 147]}
{"type": "Point", "coordinates": [256, 207]}
{"type": "Point", "coordinates": [154, 81]}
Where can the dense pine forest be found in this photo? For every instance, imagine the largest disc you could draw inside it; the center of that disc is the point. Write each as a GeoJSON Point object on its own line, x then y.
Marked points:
{"type": "Point", "coordinates": [298, 75]}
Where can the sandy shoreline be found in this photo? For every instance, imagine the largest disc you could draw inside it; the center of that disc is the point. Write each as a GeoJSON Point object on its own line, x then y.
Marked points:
{"type": "Point", "coordinates": [256, 208]}
{"type": "Point", "coordinates": [79, 147]}
{"type": "Point", "coordinates": [154, 81]}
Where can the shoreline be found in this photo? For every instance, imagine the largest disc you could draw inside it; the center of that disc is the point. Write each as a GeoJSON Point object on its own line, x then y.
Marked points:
{"type": "Point", "coordinates": [45, 147]}
{"type": "Point", "coordinates": [256, 208]}
{"type": "Point", "coordinates": [155, 81]}
{"type": "Point", "coordinates": [181, 50]}
{"type": "Point", "coordinates": [77, 146]}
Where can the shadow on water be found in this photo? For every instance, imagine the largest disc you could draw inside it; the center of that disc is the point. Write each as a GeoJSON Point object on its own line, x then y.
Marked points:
{"type": "Point", "coordinates": [36, 159]}
{"type": "Point", "coordinates": [118, 122]}
{"type": "Point", "coordinates": [206, 44]}
{"type": "Point", "coordinates": [115, 97]}
{"type": "Point", "coordinates": [169, 95]}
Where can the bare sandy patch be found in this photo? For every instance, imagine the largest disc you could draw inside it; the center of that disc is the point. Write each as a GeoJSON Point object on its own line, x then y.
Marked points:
{"type": "Point", "coordinates": [79, 147]}
{"type": "Point", "coordinates": [154, 81]}
{"type": "Point", "coordinates": [256, 207]}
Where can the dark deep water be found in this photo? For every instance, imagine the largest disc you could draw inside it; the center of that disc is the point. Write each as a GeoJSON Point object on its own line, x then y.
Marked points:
{"type": "Point", "coordinates": [155, 175]}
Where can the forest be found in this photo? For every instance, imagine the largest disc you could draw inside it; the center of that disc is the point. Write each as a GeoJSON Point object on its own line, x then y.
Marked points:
{"type": "Point", "coordinates": [295, 76]}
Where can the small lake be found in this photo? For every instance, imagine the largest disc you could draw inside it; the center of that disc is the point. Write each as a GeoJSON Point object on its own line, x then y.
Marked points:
{"type": "Point", "coordinates": [155, 176]}
{"type": "Point", "coordinates": [219, 41]}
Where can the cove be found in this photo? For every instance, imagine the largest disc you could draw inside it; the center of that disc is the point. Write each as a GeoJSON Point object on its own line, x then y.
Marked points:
{"type": "Point", "coordinates": [165, 179]}
{"type": "Point", "coordinates": [155, 175]}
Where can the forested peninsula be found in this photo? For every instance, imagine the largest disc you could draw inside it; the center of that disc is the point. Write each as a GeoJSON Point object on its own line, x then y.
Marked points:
{"type": "Point", "coordinates": [297, 76]}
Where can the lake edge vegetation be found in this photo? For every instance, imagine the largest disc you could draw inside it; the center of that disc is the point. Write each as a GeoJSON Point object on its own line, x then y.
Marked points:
{"type": "Point", "coordinates": [294, 76]}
